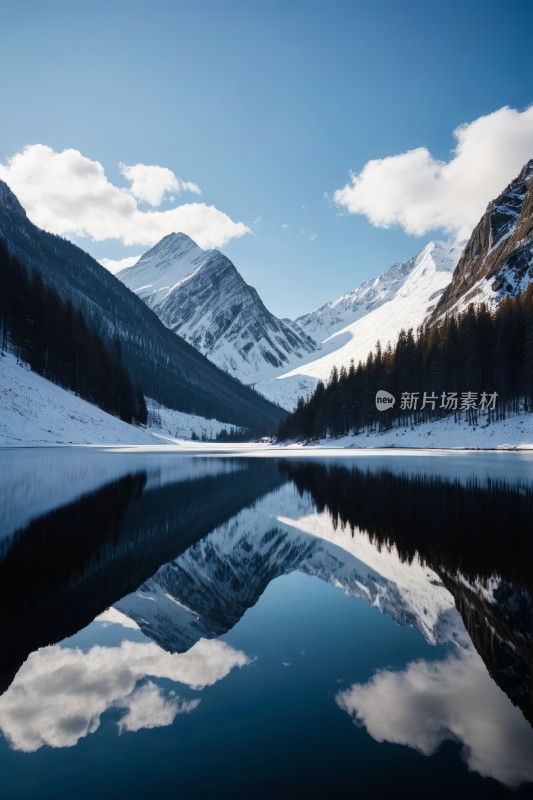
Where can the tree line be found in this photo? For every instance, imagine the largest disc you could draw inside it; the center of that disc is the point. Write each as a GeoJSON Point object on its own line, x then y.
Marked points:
{"type": "Point", "coordinates": [479, 363]}
{"type": "Point", "coordinates": [52, 336]}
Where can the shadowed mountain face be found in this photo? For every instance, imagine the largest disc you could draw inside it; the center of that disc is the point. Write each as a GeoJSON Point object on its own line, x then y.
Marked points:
{"type": "Point", "coordinates": [167, 368]}
{"type": "Point", "coordinates": [498, 258]}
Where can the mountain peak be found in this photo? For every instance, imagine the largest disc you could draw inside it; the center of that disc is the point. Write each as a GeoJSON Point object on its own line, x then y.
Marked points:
{"type": "Point", "coordinates": [173, 245]}
{"type": "Point", "coordinates": [177, 238]}
{"type": "Point", "coordinates": [200, 295]}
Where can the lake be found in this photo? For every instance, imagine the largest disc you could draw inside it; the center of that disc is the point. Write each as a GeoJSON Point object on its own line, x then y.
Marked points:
{"type": "Point", "coordinates": [221, 624]}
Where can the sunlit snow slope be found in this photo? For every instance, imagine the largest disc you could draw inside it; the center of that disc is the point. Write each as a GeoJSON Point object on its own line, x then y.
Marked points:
{"type": "Point", "coordinates": [350, 326]}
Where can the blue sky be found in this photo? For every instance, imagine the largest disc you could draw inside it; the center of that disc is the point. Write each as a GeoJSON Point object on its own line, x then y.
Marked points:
{"type": "Point", "coordinates": [267, 106]}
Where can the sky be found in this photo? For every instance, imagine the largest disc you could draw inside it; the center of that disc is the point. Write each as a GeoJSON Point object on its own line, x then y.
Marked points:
{"type": "Point", "coordinates": [314, 143]}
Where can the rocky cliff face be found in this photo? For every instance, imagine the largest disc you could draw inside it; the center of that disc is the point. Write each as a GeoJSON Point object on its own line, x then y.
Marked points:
{"type": "Point", "coordinates": [498, 258]}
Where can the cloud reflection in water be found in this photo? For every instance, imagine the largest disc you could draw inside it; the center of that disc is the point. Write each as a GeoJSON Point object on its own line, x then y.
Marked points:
{"type": "Point", "coordinates": [60, 693]}
{"type": "Point", "coordinates": [433, 701]}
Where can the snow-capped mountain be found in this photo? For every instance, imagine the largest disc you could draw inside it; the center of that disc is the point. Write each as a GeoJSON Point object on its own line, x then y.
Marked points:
{"type": "Point", "coordinates": [169, 370]}
{"type": "Point", "coordinates": [350, 326]}
{"type": "Point", "coordinates": [205, 591]}
{"type": "Point", "coordinates": [498, 258]}
{"type": "Point", "coordinates": [200, 295]}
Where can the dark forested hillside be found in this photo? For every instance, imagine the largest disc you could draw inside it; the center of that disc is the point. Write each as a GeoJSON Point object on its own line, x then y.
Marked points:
{"type": "Point", "coordinates": [169, 370]}
{"type": "Point", "coordinates": [53, 338]}
{"type": "Point", "coordinates": [481, 361]}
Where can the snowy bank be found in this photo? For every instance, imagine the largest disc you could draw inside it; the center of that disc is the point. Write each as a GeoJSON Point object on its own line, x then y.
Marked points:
{"type": "Point", "coordinates": [513, 433]}
{"type": "Point", "coordinates": [35, 411]}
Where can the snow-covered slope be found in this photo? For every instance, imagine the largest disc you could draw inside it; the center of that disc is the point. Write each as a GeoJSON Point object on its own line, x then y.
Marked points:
{"type": "Point", "coordinates": [204, 592]}
{"type": "Point", "coordinates": [352, 306]}
{"type": "Point", "coordinates": [36, 411]}
{"type": "Point", "coordinates": [513, 433]}
{"type": "Point", "coordinates": [350, 326]}
{"type": "Point", "coordinates": [200, 295]}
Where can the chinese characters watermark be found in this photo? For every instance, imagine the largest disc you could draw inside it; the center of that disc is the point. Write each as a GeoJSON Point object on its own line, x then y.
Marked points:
{"type": "Point", "coordinates": [445, 401]}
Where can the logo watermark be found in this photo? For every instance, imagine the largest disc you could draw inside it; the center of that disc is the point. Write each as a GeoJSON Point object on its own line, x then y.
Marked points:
{"type": "Point", "coordinates": [384, 400]}
{"type": "Point", "coordinates": [446, 401]}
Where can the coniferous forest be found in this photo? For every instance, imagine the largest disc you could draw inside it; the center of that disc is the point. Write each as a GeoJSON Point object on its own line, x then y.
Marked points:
{"type": "Point", "coordinates": [54, 339]}
{"type": "Point", "coordinates": [476, 366]}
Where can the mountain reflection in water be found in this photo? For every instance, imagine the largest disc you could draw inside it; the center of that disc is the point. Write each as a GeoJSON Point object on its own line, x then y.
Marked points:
{"type": "Point", "coordinates": [174, 553]}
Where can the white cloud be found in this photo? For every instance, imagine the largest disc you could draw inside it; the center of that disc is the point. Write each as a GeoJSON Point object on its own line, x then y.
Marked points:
{"type": "Point", "coordinates": [421, 193]}
{"type": "Point", "coordinates": [115, 266]}
{"type": "Point", "coordinates": [284, 226]}
{"type": "Point", "coordinates": [455, 699]}
{"type": "Point", "coordinates": [147, 707]}
{"type": "Point", "coordinates": [151, 183]}
{"type": "Point", "coordinates": [60, 693]}
{"type": "Point", "coordinates": [69, 194]}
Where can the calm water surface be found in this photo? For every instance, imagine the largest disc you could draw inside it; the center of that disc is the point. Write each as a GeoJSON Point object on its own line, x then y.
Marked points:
{"type": "Point", "coordinates": [233, 627]}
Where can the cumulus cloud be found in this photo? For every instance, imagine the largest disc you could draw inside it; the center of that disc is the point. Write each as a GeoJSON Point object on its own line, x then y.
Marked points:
{"type": "Point", "coordinates": [69, 194]}
{"type": "Point", "coordinates": [151, 183]}
{"type": "Point", "coordinates": [421, 193]}
{"type": "Point", "coordinates": [60, 693]}
{"type": "Point", "coordinates": [433, 701]}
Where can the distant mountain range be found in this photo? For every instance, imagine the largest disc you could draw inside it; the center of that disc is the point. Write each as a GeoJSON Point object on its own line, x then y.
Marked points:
{"type": "Point", "coordinates": [225, 332]}
{"type": "Point", "coordinates": [168, 369]}
{"type": "Point", "coordinates": [201, 295]}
